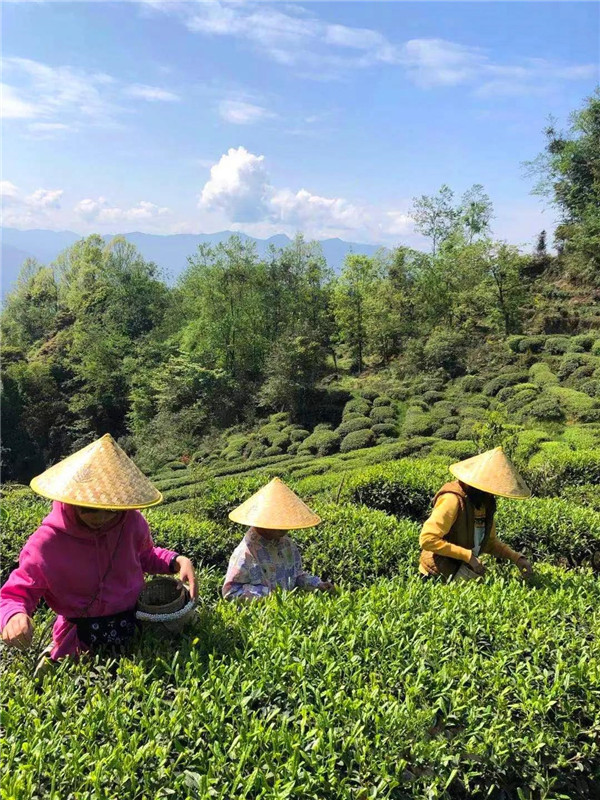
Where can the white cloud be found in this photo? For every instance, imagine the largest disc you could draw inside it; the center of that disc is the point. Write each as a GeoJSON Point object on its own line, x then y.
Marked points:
{"type": "Point", "coordinates": [151, 93]}
{"type": "Point", "coordinates": [100, 211]}
{"type": "Point", "coordinates": [8, 190]}
{"type": "Point", "coordinates": [240, 189]}
{"type": "Point", "coordinates": [238, 186]}
{"type": "Point", "coordinates": [239, 112]}
{"type": "Point", "coordinates": [296, 38]}
{"type": "Point", "coordinates": [13, 107]}
{"type": "Point", "coordinates": [45, 198]}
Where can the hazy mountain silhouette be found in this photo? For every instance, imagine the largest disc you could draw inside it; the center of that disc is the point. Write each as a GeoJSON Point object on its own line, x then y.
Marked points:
{"type": "Point", "coordinates": [170, 253]}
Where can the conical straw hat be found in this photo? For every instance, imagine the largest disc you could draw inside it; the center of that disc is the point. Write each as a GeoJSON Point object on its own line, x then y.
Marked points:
{"type": "Point", "coordinates": [492, 472]}
{"type": "Point", "coordinates": [276, 507]}
{"type": "Point", "coordinates": [100, 475]}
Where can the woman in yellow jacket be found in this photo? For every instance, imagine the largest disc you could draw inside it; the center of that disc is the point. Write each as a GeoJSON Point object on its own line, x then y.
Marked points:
{"type": "Point", "coordinates": [461, 525]}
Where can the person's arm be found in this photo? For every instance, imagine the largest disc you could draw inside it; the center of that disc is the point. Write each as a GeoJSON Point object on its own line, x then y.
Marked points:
{"type": "Point", "coordinates": [160, 561]}
{"type": "Point", "coordinates": [244, 580]}
{"type": "Point", "coordinates": [18, 600]}
{"type": "Point", "coordinates": [437, 527]}
{"type": "Point", "coordinates": [501, 550]}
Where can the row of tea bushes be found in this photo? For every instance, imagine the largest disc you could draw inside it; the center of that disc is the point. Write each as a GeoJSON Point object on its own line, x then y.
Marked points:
{"type": "Point", "coordinates": [398, 690]}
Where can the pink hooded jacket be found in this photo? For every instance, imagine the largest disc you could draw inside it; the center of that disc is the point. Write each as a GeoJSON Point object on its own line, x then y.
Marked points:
{"type": "Point", "coordinates": [66, 563]}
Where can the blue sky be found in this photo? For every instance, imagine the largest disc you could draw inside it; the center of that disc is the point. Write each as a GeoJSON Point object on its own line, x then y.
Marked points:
{"type": "Point", "coordinates": [268, 117]}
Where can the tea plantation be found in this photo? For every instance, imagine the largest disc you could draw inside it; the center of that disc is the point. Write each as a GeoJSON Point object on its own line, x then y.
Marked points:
{"type": "Point", "coordinates": [390, 688]}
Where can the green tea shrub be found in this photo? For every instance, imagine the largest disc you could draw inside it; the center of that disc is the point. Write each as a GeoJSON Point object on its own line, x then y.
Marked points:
{"type": "Point", "coordinates": [382, 414]}
{"type": "Point", "coordinates": [352, 425]}
{"type": "Point", "coordinates": [280, 416]}
{"type": "Point", "coordinates": [173, 466]}
{"type": "Point", "coordinates": [443, 409]}
{"type": "Point", "coordinates": [591, 415]}
{"type": "Point", "coordinates": [384, 429]}
{"type": "Point", "coordinates": [556, 345]}
{"type": "Point", "coordinates": [478, 401]}
{"type": "Point", "coordinates": [369, 394]}
{"type": "Point", "coordinates": [585, 341]}
{"type": "Point", "coordinates": [591, 387]}
{"type": "Point", "coordinates": [573, 402]}
{"type": "Point", "coordinates": [532, 344]}
{"type": "Point", "coordinates": [467, 429]}
{"type": "Point", "coordinates": [545, 408]}
{"type": "Point", "coordinates": [420, 691]}
{"type": "Point", "coordinates": [358, 405]}
{"type": "Point", "coordinates": [418, 403]}
{"type": "Point", "coordinates": [321, 443]}
{"type": "Point", "coordinates": [432, 397]}
{"type": "Point", "coordinates": [444, 350]}
{"type": "Point", "coordinates": [293, 448]}
{"type": "Point", "coordinates": [417, 423]}
{"type": "Point", "coordinates": [357, 440]}
{"type": "Point", "coordinates": [447, 431]}
{"type": "Point", "coordinates": [528, 444]}
{"type": "Point", "coordinates": [585, 495]}
{"type": "Point", "coordinates": [541, 375]}
{"type": "Point", "coordinates": [492, 387]}
{"type": "Point", "coordinates": [569, 363]}
{"type": "Point", "coordinates": [299, 434]}
{"type": "Point", "coordinates": [595, 351]}
{"type": "Point", "coordinates": [471, 384]}
{"type": "Point", "coordinates": [514, 342]}
{"type": "Point", "coordinates": [457, 451]}
{"type": "Point", "coordinates": [323, 426]}
{"type": "Point", "coordinates": [383, 400]}
{"type": "Point", "coordinates": [582, 437]}
{"type": "Point", "coordinates": [551, 471]}
{"type": "Point", "coordinates": [273, 451]}
{"type": "Point", "coordinates": [510, 391]}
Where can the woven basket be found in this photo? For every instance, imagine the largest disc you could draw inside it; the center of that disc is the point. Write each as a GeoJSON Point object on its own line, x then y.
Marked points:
{"type": "Point", "coordinates": [169, 601]}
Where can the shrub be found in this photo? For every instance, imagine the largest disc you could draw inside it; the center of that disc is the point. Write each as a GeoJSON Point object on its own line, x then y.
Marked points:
{"type": "Point", "coordinates": [551, 471]}
{"type": "Point", "coordinates": [556, 345]}
{"type": "Point", "coordinates": [383, 400]}
{"type": "Point", "coordinates": [384, 429]}
{"type": "Point", "coordinates": [299, 434]}
{"type": "Point", "coordinates": [258, 451]}
{"type": "Point", "coordinates": [417, 403]}
{"type": "Point", "coordinates": [492, 387]}
{"type": "Point", "coordinates": [582, 437]}
{"type": "Point", "coordinates": [357, 405]}
{"type": "Point", "coordinates": [448, 431]}
{"type": "Point", "coordinates": [323, 426]}
{"type": "Point", "coordinates": [574, 403]}
{"type": "Point", "coordinates": [569, 363]}
{"type": "Point", "coordinates": [357, 440]}
{"type": "Point", "coordinates": [521, 399]}
{"type": "Point", "coordinates": [369, 394]}
{"type": "Point", "coordinates": [514, 343]}
{"type": "Point", "coordinates": [432, 397]}
{"type": "Point", "coordinates": [443, 409]}
{"type": "Point", "coordinates": [541, 375]}
{"type": "Point", "coordinates": [353, 424]}
{"type": "Point", "coordinates": [174, 466]}
{"type": "Point", "coordinates": [416, 423]}
{"type": "Point", "coordinates": [467, 429]}
{"type": "Point", "coordinates": [273, 451]}
{"type": "Point", "coordinates": [293, 448]}
{"type": "Point", "coordinates": [457, 451]}
{"type": "Point", "coordinates": [510, 391]}
{"type": "Point", "coordinates": [585, 341]}
{"type": "Point", "coordinates": [528, 443]}
{"type": "Point", "coordinates": [532, 344]}
{"type": "Point", "coordinates": [280, 416]}
{"type": "Point", "coordinates": [471, 384]}
{"type": "Point", "coordinates": [382, 414]}
{"type": "Point", "coordinates": [596, 348]}
{"type": "Point", "coordinates": [545, 408]}
{"type": "Point", "coordinates": [592, 415]}
{"type": "Point", "coordinates": [321, 443]}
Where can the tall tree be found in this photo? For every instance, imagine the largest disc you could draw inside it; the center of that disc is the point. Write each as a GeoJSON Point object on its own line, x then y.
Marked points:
{"type": "Point", "coordinates": [435, 215]}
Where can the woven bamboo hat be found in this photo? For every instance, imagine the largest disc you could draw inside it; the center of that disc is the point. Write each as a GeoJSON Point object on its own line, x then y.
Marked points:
{"type": "Point", "coordinates": [275, 507]}
{"type": "Point", "coordinates": [100, 475]}
{"type": "Point", "coordinates": [492, 472]}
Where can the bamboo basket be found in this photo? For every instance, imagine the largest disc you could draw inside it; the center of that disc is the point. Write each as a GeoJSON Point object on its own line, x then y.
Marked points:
{"type": "Point", "coordinates": [164, 605]}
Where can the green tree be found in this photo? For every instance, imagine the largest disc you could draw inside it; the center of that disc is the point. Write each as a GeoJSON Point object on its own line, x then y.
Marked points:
{"type": "Point", "coordinates": [352, 289]}
{"type": "Point", "coordinates": [435, 216]}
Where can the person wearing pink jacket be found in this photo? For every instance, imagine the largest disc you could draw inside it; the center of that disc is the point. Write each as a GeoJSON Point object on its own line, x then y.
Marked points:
{"type": "Point", "coordinates": [88, 562]}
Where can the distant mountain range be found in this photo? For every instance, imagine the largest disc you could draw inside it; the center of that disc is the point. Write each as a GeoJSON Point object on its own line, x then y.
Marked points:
{"type": "Point", "coordinates": [168, 252]}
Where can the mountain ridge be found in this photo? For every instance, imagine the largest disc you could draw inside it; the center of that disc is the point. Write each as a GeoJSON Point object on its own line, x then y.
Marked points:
{"type": "Point", "coordinates": [168, 251]}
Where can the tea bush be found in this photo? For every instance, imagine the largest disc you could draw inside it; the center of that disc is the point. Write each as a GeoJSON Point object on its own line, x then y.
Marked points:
{"type": "Point", "coordinates": [320, 442]}
{"type": "Point", "coordinates": [353, 424]}
{"type": "Point", "coordinates": [357, 440]}
{"type": "Point", "coordinates": [382, 414]}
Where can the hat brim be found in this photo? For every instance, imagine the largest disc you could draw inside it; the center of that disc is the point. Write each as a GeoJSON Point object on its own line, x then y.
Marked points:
{"type": "Point", "coordinates": [80, 504]}
{"type": "Point", "coordinates": [488, 490]}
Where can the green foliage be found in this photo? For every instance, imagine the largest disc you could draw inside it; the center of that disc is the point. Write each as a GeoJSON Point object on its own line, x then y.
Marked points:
{"type": "Point", "coordinates": [557, 345]}
{"type": "Point", "coordinates": [417, 423]}
{"type": "Point", "coordinates": [492, 387]}
{"type": "Point", "coordinates": [357, 406]}
{"type": "Point", "coordinates": [471, 383]}
{"type": "Point", "coordinates": [541, 375]}
{"type": "Point", "coordinates": [299, 434]}
{"type": "Point", "coordinates": [382, 401]}
{"type": "Point", "coordinates": [357, 440]}
{"type": "Point", "coordinates": [384, 429]}
{"type": "Point", "coordinates": [353, 424]}
{"type": "Point", "coordinates": [320, 443]}
{"type": "Point", "coordinates": [382, 414]}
